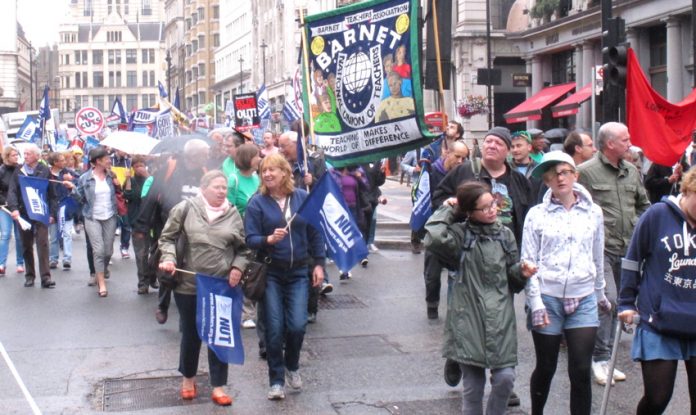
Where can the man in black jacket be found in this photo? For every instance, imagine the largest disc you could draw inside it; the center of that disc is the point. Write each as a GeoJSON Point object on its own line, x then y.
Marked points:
{"type": "Point", "coordinates": [510, 188]}
{"type": "Point", "coordinates": [178, 180]}
{"type": "Point", "coordinates": [38, 231]}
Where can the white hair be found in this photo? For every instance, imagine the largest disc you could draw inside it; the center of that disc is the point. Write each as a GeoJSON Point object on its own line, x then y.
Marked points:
{"type": "Point", "coordinates": [290, 135]}
{"type": "Point", "coordinates": [33, 148]}
{"type": "Point", "coordinates": [195, 145]}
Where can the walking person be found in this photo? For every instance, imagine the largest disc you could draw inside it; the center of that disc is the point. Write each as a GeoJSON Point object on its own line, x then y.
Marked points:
{"type": "Point", "coordinates": [296, 251]}
{"type": "Point", "coordinates": [616, 187]}
{"type": "Point", "coordinates": [10, 158]}
{"type": "Point", "coordinates": [55, 231]}
{"type": "Point", "coordinates": [39, 231]}
{"type": "Point", "coordinates": [132, 191]}
{"type": "Point", "coordinates": [96, 189]}
{"type": "Point", "coordinates": [657, 283]}
{"type": "Point", "coordinates": [215, 246]}
{"type": "Point", "coordinates": [480, 327]}
{"type": "Point", "coordinates": [564, 237]}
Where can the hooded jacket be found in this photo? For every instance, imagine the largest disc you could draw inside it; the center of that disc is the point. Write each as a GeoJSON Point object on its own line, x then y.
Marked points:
{"type": "Point", "coordinates": [664, 247]}
{"type": "Point", "coordinates": [568, 248]}
{"type": "Point", "coordinates": [480, 328]}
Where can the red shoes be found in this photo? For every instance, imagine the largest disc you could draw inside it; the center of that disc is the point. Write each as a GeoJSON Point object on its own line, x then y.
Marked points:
{"type": "Point", "coordinates": [188, 394]}
{"type": "Point", "coordinates": [221, 399]}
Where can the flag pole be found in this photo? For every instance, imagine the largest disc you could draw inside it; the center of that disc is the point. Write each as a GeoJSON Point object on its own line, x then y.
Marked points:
{"type": "Point", "coordinates": [440, 86]}
{"type": "Point", "coordinates": [305, 69]}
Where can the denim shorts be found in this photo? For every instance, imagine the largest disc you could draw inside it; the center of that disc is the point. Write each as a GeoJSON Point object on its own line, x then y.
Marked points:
{"type": "Point", "coordinates": [584, 316]}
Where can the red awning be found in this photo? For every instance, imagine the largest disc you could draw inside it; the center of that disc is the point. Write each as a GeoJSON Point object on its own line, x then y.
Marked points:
{"type": "Point", "coordinates": [571, 105]}
{"type": "Point", "coordinates": [531, 108]}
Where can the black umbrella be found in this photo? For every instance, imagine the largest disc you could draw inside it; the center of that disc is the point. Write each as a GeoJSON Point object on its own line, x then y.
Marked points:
{"type": "Point", "coordinates": [556, 135]}
{"type": "Point", "coordinates": [176, 143]}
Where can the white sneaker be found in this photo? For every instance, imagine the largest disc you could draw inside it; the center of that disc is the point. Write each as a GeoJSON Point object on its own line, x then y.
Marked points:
{"type": "Point", "coordinates": [619, 376]}
{"type": "Point", "coordinates": [372, 248]}
{"type": "Point", "coordinates": [600, 371]}
{"type": "Point", "coordinates": [118, 231]}
{"type": "Point", "coordinates": [276, 393]}
{"type": "Point", "coordinates": [293, 379]}
{"type": "Point", "coordinates": [248, 324]}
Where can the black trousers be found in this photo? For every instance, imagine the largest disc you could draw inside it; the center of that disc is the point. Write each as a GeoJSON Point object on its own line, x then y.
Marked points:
{"type": "Point", "coordinates": [38, 232]}
{"type": "Point", "coordinates": [190, 348]}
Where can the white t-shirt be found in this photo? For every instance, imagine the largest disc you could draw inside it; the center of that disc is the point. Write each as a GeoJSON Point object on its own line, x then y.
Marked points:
{"type": "Point", "coordinates": [103, 208]}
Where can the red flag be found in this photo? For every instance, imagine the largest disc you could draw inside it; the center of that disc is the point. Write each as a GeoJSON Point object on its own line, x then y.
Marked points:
{"type": "Point", "coordinates": [662, 129]}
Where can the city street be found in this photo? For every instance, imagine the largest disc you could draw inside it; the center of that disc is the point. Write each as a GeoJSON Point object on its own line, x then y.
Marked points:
{"type": "Point", "coordinates": [372, 350]}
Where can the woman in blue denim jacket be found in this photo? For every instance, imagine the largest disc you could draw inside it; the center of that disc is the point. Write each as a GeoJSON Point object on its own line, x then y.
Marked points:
{"type": "Point", "coordinates": [97, 192]}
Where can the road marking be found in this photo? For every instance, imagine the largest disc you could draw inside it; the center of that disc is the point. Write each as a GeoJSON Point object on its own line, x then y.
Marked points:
{"type": "Point", "coordinates": [34, 407]}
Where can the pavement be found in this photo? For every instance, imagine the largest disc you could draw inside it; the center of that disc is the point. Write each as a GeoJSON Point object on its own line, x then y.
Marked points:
{"type": "Point", "coordinates": [372, 350]}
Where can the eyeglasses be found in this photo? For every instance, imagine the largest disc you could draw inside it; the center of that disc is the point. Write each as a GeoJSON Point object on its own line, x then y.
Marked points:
{"type": "Point", "coordinates": [492, 207]}
{"type": "Point", "coordinates": [564, 173]}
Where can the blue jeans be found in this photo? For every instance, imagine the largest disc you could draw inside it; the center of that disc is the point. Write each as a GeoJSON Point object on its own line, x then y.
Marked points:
{"type": "Point", "coordinates": [125, 226]}
{"type": "Point", "coordinates": [7, 226]}
{"type": "Point", "coordinates": [285, 304]}
{"type": "Point", "coordinates": [54, 246]}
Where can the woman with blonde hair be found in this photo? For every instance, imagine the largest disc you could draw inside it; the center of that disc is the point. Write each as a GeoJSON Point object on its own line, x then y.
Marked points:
{"type": "Point", "coordinates": [292, 248]}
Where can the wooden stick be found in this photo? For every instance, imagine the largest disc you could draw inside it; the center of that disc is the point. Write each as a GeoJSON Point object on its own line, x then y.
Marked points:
{"type": "Point", "coordinates": [305, 68]}
{"type": "Point", "coordinates": [441, 89]}
{"type": "Point", "coordinates": [185, 271]}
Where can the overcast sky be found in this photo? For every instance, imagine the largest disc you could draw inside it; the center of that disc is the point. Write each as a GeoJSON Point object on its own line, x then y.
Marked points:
{"type": "Point", "coordinates": [40, 19]}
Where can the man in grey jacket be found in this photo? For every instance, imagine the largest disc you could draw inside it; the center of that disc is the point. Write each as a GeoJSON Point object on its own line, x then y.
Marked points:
{"type": "Point", "coordinates": [616, 187]}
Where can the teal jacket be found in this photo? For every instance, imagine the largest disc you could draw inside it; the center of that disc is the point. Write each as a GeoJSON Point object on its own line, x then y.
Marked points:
{"type": "Point", "coordinates": [480, 328]}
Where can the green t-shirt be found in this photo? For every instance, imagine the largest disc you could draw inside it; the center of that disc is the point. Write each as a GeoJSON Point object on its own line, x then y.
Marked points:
{"type": "Point", "coordinates": [240, 189]}
{"type": "Point", "coordinates": [228, 167]}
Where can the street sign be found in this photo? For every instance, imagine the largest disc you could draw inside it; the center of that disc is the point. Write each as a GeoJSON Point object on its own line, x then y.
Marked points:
{"type": "Point", "coordinates": [521, 79]}
{"type": "Point", "coordinates": [599, 79]}
{"type": "Point", "coordinates": [89, 121]}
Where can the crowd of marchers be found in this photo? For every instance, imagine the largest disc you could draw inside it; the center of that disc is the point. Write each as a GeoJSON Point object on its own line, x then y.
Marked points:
{"type": "Point", "coordinates": [573, 228]}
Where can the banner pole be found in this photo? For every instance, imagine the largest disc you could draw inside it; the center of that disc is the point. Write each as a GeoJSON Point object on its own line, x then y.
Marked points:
{"type": "Point", "coordinates": [441, 92]}
{"type": "Point", "coordinates": [594, 100]}
{"type": "Point", "coordinates": [305, 69]}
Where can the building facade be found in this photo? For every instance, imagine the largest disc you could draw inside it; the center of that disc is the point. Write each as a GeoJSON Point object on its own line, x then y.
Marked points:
{"type": "Point", "coordinates": [566, 47]}
{"type": "Point", "coordinates": [175, 49]}
{"type": "Point", "coordinates": [201, 38]}
{"type": "Point", "coordinates": [111, 49]}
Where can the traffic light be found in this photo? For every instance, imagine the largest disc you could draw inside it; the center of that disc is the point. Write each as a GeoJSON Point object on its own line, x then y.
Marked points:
{"type": "Point", "coordinates": [615, 70]}
{"type": "Point", "coordinates": [614, 51]}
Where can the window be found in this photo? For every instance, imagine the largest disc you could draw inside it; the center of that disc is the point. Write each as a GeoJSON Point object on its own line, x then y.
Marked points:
{"type": "Point", "coordinates": [657, 36]}
{"type": "Point", "coordinates": [216, 39]}
{"type": "Point", "coordinates": [148, 56]}
{"type": "Point", "coordinates": [195, 72]}
{"type": "Point", "coordinates": [149, 100]}
{"type": "Point", "coordinates": [216, 12]}
{"type": "Point", "coordinates": [131, 79]}
{"type": "Point", "coordinates": [98, 102]}
{"type": "Point", "coordinates": [114, 56]}
{"type": "Point", "coordinates": [152, 78]}
{"type": "Point", "coordinates": [97, 57]}
{"type": "Point", "coordinates": [194, 45]}
{"type": "Point", "coordinates": [113, 36]}
{"type": "Point", "coordinates": [147, 7]}
{"type": "Point", "coordinates": [148, 78]}
{"type": "Point", "coordinates": [188, 24]}
{"type": "Point", "coordinates": [108, 7]}
{"type": "Point", "coordinates": [78, 58]}
{"type": "Point", "coordinates": [112, 99]}
{"type": "Point", "coordinates": [201, 13]}
{"type": "Point", "coordinates": [98, 79]}
{"type": "Point", "coordinates": [131, 102]}
{"type": "Point", "coordinates": [87, 8]}
{"type": "Point", "coordinates": [84, 81]}
{"type": "Point", "coordinates": [563, 67]}
{"type": "Point", "coordinates": [201, 41]}
{"type": "Point", "coordinates": [201, 69]}
{"type": "Point", "coordinates": [78, 79]}
{"type": "Point", "coordinates": [188, 50]}
{"type": "Point", "coordinates": [114, 78]}
{"type": "Point", "coordinates": [131, 56]}
{"type": "Point", "coordinates": [188, 76]}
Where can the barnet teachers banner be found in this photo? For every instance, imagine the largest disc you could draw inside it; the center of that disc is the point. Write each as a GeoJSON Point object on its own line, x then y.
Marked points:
{"type": "Point", "coordinates": [366, 94]}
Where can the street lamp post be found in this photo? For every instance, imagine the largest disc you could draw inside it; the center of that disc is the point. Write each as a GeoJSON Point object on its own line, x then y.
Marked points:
{"type": "Point", "coordinates": [241, 73]}
{"type": "Point", "coordinates": [263, 57]}
{"type": "Point", "coordinates": [168, 59]}
{"type": "Point", "coordinates": [31, 76]}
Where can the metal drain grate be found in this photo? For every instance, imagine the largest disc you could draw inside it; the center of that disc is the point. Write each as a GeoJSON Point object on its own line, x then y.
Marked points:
{"type": "Point", "coordinates": [340, 301]}
{"type": "Point", "coordinates": [350, 346]}
{"type": "Point", "coordinates": [147, 393]}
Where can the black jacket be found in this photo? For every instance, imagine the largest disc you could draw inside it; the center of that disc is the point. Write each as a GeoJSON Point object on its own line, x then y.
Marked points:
{"type": "Point", "coordinates": [6, 173]}
{"type": "Point", "coordinates": [375, 178]}
{"type": "Point", "coordinates": [657, 182]}
{"type": "Point", "coordinates": [14, 194]}
{"type": "Point", "coordinates": [520, 191]}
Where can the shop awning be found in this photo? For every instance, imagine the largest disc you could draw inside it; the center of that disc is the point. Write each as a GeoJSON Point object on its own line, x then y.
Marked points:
{"type": "Point", "coordinates": [571, 105]}
{"type": "Point", "coordinates": [531, 108]}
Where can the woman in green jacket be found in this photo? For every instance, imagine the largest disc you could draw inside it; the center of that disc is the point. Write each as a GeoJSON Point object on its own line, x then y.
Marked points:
{"type": "Point", "coordinates": [480, 329]}
{"type": "Point", "coordinates": [215, 246]}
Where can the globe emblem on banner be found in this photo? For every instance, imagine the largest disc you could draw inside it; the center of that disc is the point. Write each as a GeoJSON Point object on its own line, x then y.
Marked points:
{"type": "Point", "coordinates": [357, 73]}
